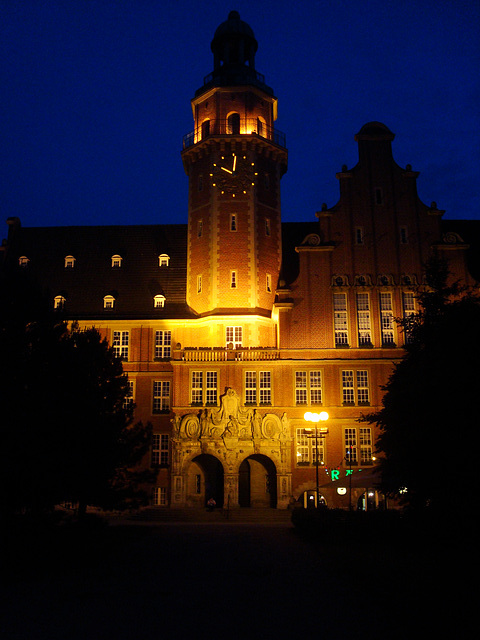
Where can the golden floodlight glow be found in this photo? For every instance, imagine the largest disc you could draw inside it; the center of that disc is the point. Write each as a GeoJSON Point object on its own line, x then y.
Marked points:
{"type": "Point", "coordinates": [316, 417]}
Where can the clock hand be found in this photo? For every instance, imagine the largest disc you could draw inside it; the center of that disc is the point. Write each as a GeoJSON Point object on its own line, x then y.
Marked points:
{"type": "Point", "coordinates": [234, 163]}
{"type": "Point", "coordinates": [227, 170]}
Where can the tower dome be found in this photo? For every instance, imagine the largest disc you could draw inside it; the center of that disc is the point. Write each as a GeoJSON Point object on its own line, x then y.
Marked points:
{"type": "Point", "coordinates": [234, 43]}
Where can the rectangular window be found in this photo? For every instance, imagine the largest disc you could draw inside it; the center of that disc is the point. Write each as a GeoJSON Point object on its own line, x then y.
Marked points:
{"type": "Point", "coordinates": [160, 496]}
{"type": "Point", "coordinates": [366, 447]}
{"type": "Point", "coordinates": [363, 319]}
{"type": "Point", "coordinates": [306, 449]}
{"type": "Point", "coordinates": [160, 449]}
{"type": "Point", "coordinates": [355, 387]}
{"type": "Point", "coordinates": [269, 283]}
{"type": "Point", "coordinates": [199, 228]}
{"type": "Point", "coordinates": [163, 344]}
{"type": "Point", "coordinates": [308, 387]}
{"type": "Point", "coordinates": [233, 279]}
{"type": "Point", "coordinates": [265, 387]}
{"type": "Point", "coordinates": [408, 301]}
{"type": "Point", "coordinates": [267, 227]}
{"type": "Point", "coordinates": [386, 318]}
{"type": "Point", "coordinates": [234, 336]}
{"type": "Point", "coordinates": [129, 398]}
{"type": "Point", "coordinates": [120, 344]}
{"type": "Point", "coordinates": [161, 396]}
{"type": "Point", "coordinates": [350, 440]}
{"type": "Point", "coordinates": [403, 235]}
{"type": "Point", "coordinates": [199, 283]}
{"type": "Point", "coordinates": [340, 319]}
{"type": "Point", "coordinates": [204, 387]}
{"type": "Point", "coordinates": [233, 222]}
{"type": "Point", "coordinates": [250, 387]}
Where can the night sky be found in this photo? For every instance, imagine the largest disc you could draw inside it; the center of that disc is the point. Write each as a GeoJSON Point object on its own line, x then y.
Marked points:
{"type": "Point", "coordinates": [96, 100]}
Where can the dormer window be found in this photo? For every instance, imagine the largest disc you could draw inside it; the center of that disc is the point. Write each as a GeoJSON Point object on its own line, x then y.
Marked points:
{"type": "Point", "coordinates": [69, 262]}
{"type": "Point", "coordinates": [108, 302]}
{"type": "Point", "coordinates": [163, 260]}
{"type": "Point", "coordinates": [59, 302]}
{"type": "Point", "coordinates": [116, 262]}
{"type": "Point", "coordinates": [23, 261]}
{"type": "Point", "coordinates": [158, 301]}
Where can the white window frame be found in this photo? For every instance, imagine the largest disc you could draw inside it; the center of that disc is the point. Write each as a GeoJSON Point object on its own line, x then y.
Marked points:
{"type": "Point", "coordinates": [308, 387]}
{"type": "Point", "coordinates": [161, 400]}
{"type": "Point", "coordinates": [409, 309]}
{"type": "Point", "coordinates": [363, 319]}
{"type": "Point", "coordinates": [204, 388]}
{"type": "Point", "coordinates": [340, 319]}
{"type": "Point", "coordinates": [250, 386]}
{"type": "Point", "coordinates": [108, 302]}
{"type": "Point", "coordinates": [163, 344]}
{"type": "Point", "coordinates": [159, 301]}
{"type": "Point", "coordinates": [350, 446]}
{"type": "Point", "coordinates": [160, 452]}
{"type": "Point", "coordinates": [265, 387]}
{"type": "Point", "coordinates": [234, 336]}
{"type": "Point", "coordinates": [355, 387]}
{"type": "Point", "coordinates": [305, 447]}
{"type": "Point", "coordinates": [121, 344]}
{"type": "Point", "coordinates": [129, 399]}
{"type": "Point", "coordinates": [387, 323]}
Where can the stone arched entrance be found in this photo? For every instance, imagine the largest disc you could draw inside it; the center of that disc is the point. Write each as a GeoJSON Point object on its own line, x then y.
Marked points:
{"type": "Point", "coordinates": [257, 482]}
{"type": "Point", "coordinates": [205, 480]}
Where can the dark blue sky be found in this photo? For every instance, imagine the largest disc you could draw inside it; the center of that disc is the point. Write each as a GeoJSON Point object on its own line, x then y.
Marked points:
{"type": "Point", "coordinates": [96, 99]}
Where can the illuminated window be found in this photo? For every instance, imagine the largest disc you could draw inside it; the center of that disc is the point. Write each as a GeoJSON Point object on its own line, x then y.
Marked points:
{"type": "Point", "coordinates": [160, 449]}
{"type": "Point", "coordinates": [340, 319]}
{"type": "Point", "coordinates": [158, 301]}
{"type": "Point", "coordinates": [355, 387]}
{"type": "Point", "coordinates": [161, 396]}
{"type": "Point", "coordinates": [163, 344]}
{"type": "Point", "coordinates": [116, 262]}
{"type": "Point", "coordinates": [69, 262]}
{"type": "Point", "coordinates": [233, 279]}
{"type": "Point", "coordinates": [121, 344]}
{"type": "Point", "coordinates": [23, 261]}
{"type": "Point", "coordinates": [108, 302]}
{"type": "Point", "coordinates": [269, 283]}
{"type": "Point", "coordinates": [308, 387]}
{"type": "Point", "coordinates": [233, 222]}
{"type": "Point", "coordinates": [128, 402]}
{"type": "Point", "coordinates": [258, 387]}
{"type": "Point", "coordinates": [366, 445]}
{"type": "Point", "coordinates": [408, 301]}
{"type": "Point", "coordinates": [306, 449]}
{"type": "Point", "coordinates": [59, 302]}
{"type": "Point", "coordinates": [163, 260]}
{"type": "Point", "coordinates": [234, 336]}
{"type": "Point", "coordinates": [205, 129]}
{"type": "Point", "coordinates": [350, 444]}
{"type": "Point", "coordinates": [233, 123]}
{"type": "Point", "coordinates": [204, 387]}
{"type": "Point", "coordinates": [386, 318]}
{"type": "Point", "coordinates": [160, 496]}
{"type": "Point", "coordinates": [363, 319]}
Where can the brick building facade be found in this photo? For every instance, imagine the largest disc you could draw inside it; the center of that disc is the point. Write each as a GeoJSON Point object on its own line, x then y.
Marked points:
{"type": "Point", "coordinates": [233, 325]}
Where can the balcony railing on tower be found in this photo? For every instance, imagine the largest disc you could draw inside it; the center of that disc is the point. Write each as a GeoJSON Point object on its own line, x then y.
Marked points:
{"type": "Point", "coordinates": [230, 127]}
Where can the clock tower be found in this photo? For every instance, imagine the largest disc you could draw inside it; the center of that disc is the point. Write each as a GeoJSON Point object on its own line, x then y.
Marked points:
{"type": "Point", "coordinates": [234, 159]}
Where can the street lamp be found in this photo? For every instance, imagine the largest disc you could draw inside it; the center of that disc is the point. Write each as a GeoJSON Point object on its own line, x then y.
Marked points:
{"type": "Point", "coordinates": [316, 418]}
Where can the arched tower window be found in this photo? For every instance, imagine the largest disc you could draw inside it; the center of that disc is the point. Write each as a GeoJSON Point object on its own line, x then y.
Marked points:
{"type": "Point", "coordinates": [158, 301]}
{"type": "Point", "coordinates": [233, 123]}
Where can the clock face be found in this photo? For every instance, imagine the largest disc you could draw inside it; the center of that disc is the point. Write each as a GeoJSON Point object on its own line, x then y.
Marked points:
{"type": "Point", "coordinates": [233, 174]}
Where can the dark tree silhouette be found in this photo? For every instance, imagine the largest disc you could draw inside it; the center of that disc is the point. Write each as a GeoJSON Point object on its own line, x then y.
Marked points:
{"type": "Point", "coordinates": [430, 406]}
{"type": "Point", "coordinates": [65, 431]}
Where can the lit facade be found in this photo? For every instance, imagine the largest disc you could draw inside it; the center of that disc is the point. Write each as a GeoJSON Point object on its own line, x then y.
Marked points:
{"type": "Point", "coordinates": [233, 325]}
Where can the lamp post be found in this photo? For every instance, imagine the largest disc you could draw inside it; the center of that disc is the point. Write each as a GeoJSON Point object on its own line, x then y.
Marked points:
{"type": "Point", "coordinates": [316, 418]}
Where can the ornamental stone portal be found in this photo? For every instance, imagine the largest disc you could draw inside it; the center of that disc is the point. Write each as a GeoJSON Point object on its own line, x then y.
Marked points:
{"type": "Point", "coordinates": [231, 434]}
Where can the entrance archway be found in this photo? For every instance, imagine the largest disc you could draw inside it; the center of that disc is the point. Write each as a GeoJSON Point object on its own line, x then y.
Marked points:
{"type": "Point", "coordinates": [205, 480]}
{"type": "Point", "coordinates": [257, 482]}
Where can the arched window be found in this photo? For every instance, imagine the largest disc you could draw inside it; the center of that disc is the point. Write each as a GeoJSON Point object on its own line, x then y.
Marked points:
{"type": "Point", "coordinates": [205, 129]}
{"type": "Point", "coordinates": [116, 261]}
{"type": "Point", "coordinates": [108, 302]}
{"type": "Point", "coordinates": [69, 262]}
{"type": "Point", "coordinates": [163, 260]}
{"type": "Point", "coordinates": [59, 302]}
{"type": "Point", "coordinates": [233, 123]}
{"type": "Point", "coordinates": [158, 301]}
{"type": "Point", "coordinates": [23, 261]}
